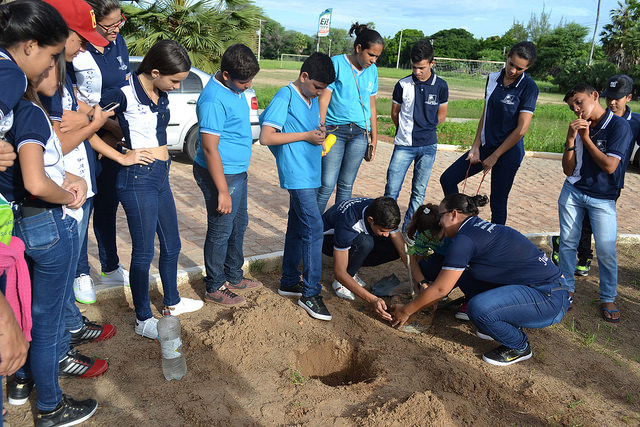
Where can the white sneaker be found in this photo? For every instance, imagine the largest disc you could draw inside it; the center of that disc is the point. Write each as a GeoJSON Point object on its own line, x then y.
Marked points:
{"type": "Point", "coordinates": [147, 328]}
{"type": "Point", "coordinates": [342, 292]}
{"type": "Point", "coordinates": [484, 336]}
{"type": "Point", "coordinates": [119, 276]}
{"type": "Point", "coordinates": [186, 305]}
{"type": "Point", "coordinates": [84, 289]}
{"type": "Point", "coordinates": [359, 280]}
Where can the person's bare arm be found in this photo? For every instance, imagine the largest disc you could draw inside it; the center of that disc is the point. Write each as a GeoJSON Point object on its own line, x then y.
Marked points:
{"type": "Point", "coordinates": [524, 120]}
{"type": "Point", "coordinates": [13, 344]}
{"type": "Point", "coordinates": [395, 114]}
{"type": "Point", "coordinates": [214, 165]}
{"type": "Point", "coordinates": [36, 181]}
{"type": "Point", "coordinates": [442, 112]}
{"type": "Point", "coordinates": [140, 156]}
{"type": "Point", "coordinates": [374, 126]}
{"type": "Point", "coordinates": [323, 103]}
{"type": "Point", "coordinates": [70, 140]}
{"type": "Point", "coordinates": [270, 136]}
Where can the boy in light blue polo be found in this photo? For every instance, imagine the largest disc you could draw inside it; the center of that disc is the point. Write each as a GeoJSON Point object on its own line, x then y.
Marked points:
{"type": "Point", "coordinates": [291, 128]}
{"type": "Point", "coordinates": [220, 169]}
{"type": "Point", "coordinates": [419, 105]}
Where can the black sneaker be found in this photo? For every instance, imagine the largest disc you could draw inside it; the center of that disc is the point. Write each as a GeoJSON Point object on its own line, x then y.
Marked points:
{"type": "Point", "coordinates": [292, 291]}
{"type": "Point", "coordinates": [18, 390]}
{"type": "Point", "coordinates": [315, 307]}
{"type": "Point", "coordinates": [554, 242]}
{"type": "Point", "coordinates": [68, 413]}
{"type": "Point", "coordinates": [504, 356]}
{"type": "Point", "coordinates": [90, 332]}
{"type": "Point", "coordinates": [583, 267]}
{"type": "Point", "coordinates": [75, 364]}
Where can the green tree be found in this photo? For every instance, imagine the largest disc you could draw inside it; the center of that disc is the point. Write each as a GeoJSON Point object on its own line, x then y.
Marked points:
{"type": "Point", "coordinates": [538, 27]}
{"type": "Point", "coordinates": [205, 28]}
{"type": "Point", "coordinates": [390, 53]}
{"type": "Point", "coordinates": [565, 43]}
{"type": "Point", "coordinates": [340, 42]}
{"type": "Point", "coordinates": [454, 43]}
{"type": "Point", "coordinates": [271, 39]}
{"type": "Point", "coordinates": [515, 34]}
{"type": "Point", "coordinates": [621, 38]}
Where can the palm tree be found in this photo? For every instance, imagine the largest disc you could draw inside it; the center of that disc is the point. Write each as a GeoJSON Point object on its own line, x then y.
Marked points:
{"type": "Point", "coordinates": [205, 28]}
{"type": "Point", "coordinates": [621, 38]}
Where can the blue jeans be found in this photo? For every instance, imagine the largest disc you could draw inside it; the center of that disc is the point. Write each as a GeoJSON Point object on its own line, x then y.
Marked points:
{"type": "Point", "coordinates": [502, 312]}
{"type": "Point", "coordinates": [573, 205]}
{"type": "Point", "coordinates": [366, 251]}
{"type": "Point", "coordinates": [303, 241]}
{"type": "Point", "coordinates": [502, 175]}
{"type": "Point", "coordinates": [147, 199]}
{"type": "Point", "coordinates": [223, 255]}
{"type": "Point", "coordinates": [83, 235]}
{"type": "Point", "coordinates": [50, 240]}
{"type": "Point", "coordinates": [401, 159]}
{"type": "Point", "coordinates": [340, 166]}
{"type": "Point", "coordinates": [104, 215]}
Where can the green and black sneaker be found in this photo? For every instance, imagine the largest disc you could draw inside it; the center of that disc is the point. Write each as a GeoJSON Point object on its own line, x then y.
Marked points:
{"type": "Point", "coordinates": [504, 356]}
{"type": "Point", "coordinates": [554, 242]}
{"type": "Point", "coordinates": [583, 267]}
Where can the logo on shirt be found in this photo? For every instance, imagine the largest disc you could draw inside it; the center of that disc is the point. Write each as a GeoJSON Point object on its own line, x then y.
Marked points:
{"type": "Point", "coordinates": [432, 100]}
{"type": "Point", "coordinates": [485, 225]}
{"type": "Point", "coordinates": [544, 259]}
{"type": "Point", "coordinates": [509, 99]}
{"type": "Point", "coordinates": [602, 145]}
{"type": "Point", "coordinates": [122, 66]}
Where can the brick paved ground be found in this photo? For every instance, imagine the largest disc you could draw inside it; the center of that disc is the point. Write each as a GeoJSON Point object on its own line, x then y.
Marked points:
{"type": "Point", "coordinates": [532, 203]}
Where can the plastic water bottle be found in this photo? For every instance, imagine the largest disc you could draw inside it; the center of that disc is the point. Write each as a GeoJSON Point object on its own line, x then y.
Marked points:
{"type": "Point", "coordinates": [174, 365]}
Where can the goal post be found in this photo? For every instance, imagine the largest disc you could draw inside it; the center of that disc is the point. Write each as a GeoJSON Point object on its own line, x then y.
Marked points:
{"type": "Point", "coordinates": [466, 67]}
{"type": "Point", "coordinates": [291, 57]}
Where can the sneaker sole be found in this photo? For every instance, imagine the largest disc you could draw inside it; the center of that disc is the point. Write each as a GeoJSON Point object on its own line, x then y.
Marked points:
{"type": "Point", "coordinates": [213, 300]}
{"type": "Point", "coordinates": [17, 402]}
{"type": "Point", "coordinates": [462, 316]}
{"type": "Point", "coordinates": [313, 313]}
{"type": "Point", "coordinates": [580, 273]}
{"type": "Point", "coordinates": [80, 420]}
{"type": "Point", "coordinates": [289, 293]}
{"type": "Point", "coordinates": [246, 288]}
{"type": "Point", "coordinates": [484, 336]}
{"type": "Point", "coordinates": [496, 363]}
{"type": "Point", "coordinates": [85, 302]}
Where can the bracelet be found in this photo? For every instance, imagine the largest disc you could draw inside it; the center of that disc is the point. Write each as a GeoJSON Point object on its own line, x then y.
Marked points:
{"type": "Point", "coordinates": [573, 147]}
{"type": "Point", "coordinates": [73, 194]}
{"type": "Point", "coordinates": [423, 282]}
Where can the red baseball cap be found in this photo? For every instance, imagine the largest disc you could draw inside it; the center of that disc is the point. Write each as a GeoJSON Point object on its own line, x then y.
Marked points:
{"type": "Point", "coordinates": [80, 18]}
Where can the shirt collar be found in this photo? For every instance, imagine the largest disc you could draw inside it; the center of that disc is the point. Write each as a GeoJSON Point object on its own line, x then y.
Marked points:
{"type": "Point", "coordinates": [5, 54]}
{"type": "Point", "coordinates": [141, 94]}
{"type": "Point", "coordinates": [223, 86]}
{"type": "Point", "coordinates": [431, 81]}
{"type": "Point", "coordinates": [500, 79]}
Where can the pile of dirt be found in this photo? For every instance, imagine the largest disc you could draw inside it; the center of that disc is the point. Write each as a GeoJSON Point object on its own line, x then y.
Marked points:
{"type": "Point", "coordinates": [269, 363]}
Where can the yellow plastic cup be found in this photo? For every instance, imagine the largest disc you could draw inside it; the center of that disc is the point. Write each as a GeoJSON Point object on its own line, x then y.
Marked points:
{"type": "Point", "coordinates": [328, 143]}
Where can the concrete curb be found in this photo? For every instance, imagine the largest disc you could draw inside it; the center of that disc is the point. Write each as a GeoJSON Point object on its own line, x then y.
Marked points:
{"type": "Point", "coordinates": [532, 154]}
{"type": "Point", "coordinates": [272, 261]}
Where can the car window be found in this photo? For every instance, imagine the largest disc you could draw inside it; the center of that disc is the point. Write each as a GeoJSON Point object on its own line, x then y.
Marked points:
{"type": "Point", "coordinates": [192, 84]}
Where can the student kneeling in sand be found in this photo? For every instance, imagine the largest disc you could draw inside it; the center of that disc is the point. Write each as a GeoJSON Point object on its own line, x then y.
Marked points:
{"type": "Point", "coordinates": [510, 283]}
{"type": "Point", "coordinates": [362, 232]}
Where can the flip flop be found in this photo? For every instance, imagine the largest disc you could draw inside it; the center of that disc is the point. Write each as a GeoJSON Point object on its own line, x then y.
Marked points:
{"type": "Point", "coordinates": [609, 319]}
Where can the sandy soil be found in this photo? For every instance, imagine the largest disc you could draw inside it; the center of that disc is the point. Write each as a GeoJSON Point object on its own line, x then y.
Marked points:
{"type": "Point", "coordinates": [269, 363]}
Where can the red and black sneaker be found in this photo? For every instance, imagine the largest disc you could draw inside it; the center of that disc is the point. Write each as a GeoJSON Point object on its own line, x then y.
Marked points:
{"type": "Point", "coordinates": [90, 332]}
{"type": "Point", "coordinates": [78, 365]}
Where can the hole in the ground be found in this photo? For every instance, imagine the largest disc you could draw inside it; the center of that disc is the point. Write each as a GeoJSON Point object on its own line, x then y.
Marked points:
{"type": "Point", "coordinates": [336, 363]}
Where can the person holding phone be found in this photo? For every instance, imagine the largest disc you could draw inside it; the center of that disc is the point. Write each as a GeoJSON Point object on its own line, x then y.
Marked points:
{"type": "Point", "coordinates": [348, 109]}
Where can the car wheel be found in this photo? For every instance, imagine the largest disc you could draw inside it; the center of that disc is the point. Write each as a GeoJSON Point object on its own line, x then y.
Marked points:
{"type": "Point", "coordinates": [192, 143]}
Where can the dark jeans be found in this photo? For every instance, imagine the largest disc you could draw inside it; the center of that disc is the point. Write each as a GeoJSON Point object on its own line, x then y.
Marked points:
{"type": "Point", "coordinates": [303, 242]}
{"type": "Point", "coordinates": [365, 251]}
{"type": "Point", "coordinates": [51, 247]}
{"type": "Point", "coordinates": [502, 175]}
{"type": "Point", "coordinates": [104, 215]}
{"type": "Point", "coordinates": [223, 255]}
{"type": "Point", "coordinates": [147, 199]}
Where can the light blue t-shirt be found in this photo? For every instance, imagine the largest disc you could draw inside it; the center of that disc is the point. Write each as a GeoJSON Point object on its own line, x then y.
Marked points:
{"type": "Point", "coordinates": [225, 113]}
{"type": "Point", "coordinates": [345, 104]}
{"type": "Point", "coordinates": [299, 163]}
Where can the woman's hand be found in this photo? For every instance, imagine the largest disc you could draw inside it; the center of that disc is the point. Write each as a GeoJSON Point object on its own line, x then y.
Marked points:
{"type": "Point", "coordinates": [315, 137]}
{"type": "Point", "coordinates": [373, 152]}
{"type": "Point", "coordinates": [380, 307]}
{"type": "Point", "coordinates": [78, 187]}
{"type": "Point", "coordinates": [474, 155]}
{"type": "Point", "coordinates": [489, 162]}
{"type": "Point", "coordinates": [139, 156]}
{"type": "Point", "coordinates": [400, 316]}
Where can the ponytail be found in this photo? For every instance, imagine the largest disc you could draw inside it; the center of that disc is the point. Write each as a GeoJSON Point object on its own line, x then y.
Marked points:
{"type": "Point", "coordinates": [365, 36]}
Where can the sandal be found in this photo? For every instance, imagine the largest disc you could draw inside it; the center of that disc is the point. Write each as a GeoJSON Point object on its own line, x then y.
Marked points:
{"type": "Point", "coordinates": [604, 311]}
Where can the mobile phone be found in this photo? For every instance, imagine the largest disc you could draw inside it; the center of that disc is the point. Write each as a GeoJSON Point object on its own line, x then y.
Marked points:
{"type": "Point", "coordinates": [110, 107]}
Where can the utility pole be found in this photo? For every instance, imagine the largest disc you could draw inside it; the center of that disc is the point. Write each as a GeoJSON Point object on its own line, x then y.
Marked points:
{"type": "Point", "coordinates": [399, 46]}
{"type": "Point", "coordinates": [595, 30]}
{"type": "Point", "coordinates": [259, 37]}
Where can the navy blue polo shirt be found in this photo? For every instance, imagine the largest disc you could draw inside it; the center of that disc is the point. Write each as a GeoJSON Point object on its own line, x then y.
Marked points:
{"type": "Point", "coordinates": [143, 123]}
{"type": "Point", "coordinates": [503, 105]}
{"type": "Point", "coordinates": [95, 72]}
{"type": "Point", "coordinates": [419, 103]}
{"type": "Point", "coordinates": [612, 136]}
{"type": "Point", "coordinates": [13, 83]}
{"type": "Point", "coordinates": [55, 105]}
{"type": "Point", "coordinates": [634, 121]}
{"type": "Point", "coordinates": [498, 254]}
{"type": "Point", "coordinates": [346, 220]}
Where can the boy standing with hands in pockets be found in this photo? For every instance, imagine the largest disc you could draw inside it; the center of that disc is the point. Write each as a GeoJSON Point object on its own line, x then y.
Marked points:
{"type": "Point", "coordinates": [291, 128]}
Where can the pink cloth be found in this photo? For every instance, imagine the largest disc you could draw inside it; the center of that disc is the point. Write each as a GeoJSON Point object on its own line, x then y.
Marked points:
{"type": "Point", "coordinates": [18, 289]}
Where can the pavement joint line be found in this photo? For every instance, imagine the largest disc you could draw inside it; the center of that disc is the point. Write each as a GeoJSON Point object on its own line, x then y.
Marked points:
{"type": "Point", "coordinates": [273, 260]}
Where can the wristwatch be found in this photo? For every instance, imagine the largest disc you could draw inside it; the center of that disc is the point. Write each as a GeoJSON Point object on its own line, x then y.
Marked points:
{"type": "Point", "coordinates": [573, 147]}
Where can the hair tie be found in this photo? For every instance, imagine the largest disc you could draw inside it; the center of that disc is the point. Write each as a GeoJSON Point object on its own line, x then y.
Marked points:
{"type": "Point", "coordinates": [426, 211]}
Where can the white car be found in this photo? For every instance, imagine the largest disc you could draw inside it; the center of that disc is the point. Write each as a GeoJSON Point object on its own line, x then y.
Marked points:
{"type": "Point", "coordinates": [182, 132]}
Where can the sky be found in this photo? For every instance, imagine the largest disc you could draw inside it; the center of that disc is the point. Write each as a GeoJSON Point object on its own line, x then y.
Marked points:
{"type": "Point", "coordinates": [482, 18]}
